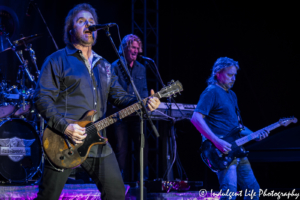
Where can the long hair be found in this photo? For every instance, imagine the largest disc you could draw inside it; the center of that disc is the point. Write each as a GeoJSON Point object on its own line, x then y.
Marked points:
{"type": "Point", "coordinates": [221, 63]}
{"type": "Point", "coordinates": [127, 42]}
{"type": "Point", "coordinates": [72, 13]}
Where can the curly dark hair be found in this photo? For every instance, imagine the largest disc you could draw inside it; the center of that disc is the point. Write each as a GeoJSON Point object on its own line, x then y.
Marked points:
{"type": "Point", "coordinates": [72, 13]}
{"type": "Point", "coordinates": [221, 63]}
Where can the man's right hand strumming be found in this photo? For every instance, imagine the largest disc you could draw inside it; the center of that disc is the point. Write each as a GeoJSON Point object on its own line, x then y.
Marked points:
{"type": "Point", "coordinates": [222, 145]}
{"type": "Point", "coordinates": [75, 133]}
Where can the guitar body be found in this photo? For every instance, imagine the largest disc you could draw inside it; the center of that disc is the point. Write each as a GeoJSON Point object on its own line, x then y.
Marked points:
{"type": "Point", "coordinates": [215, 159]}
{"type": "Point", "coordinates": [56, 144]}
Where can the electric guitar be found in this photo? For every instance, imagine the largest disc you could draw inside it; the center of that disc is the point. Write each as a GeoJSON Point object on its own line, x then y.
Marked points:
{"type": "Point", "coordinates": [64, 153]}
{"type": "Point", "coordinates": [216, 160]}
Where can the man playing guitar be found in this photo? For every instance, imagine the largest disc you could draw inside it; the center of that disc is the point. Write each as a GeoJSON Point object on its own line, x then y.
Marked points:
{"type": "Point", "coordinates": [216, 115]}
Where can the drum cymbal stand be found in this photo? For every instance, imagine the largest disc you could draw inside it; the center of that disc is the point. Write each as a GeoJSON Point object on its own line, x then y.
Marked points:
{"type": "Point", "coordinates": [21, 59]}
{"type": "Point", "coordinates": [24, 67]}
{"type": "Point", "coordinates": [33, 57]}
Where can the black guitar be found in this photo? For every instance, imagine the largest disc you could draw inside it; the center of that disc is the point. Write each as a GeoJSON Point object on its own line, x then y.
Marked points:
{"type": "Point", "coordinates": [216, 160]}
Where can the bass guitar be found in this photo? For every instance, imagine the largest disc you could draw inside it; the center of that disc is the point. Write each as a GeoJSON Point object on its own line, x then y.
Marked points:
{"type": "Point", "coordinates": [216, 160]}
{"type": "Point", "coordinates": [64, 153]}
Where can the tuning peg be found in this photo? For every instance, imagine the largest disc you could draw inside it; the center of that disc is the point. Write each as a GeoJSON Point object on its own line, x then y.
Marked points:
{"type": "Point", "coordinates": [172, 81]}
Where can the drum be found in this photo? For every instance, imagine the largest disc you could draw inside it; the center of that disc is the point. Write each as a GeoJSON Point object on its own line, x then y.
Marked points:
{"type": "Point", "coordinates": [21, 110]}
{"type": "Point", "coordinates": [23, 107]}
{"type": "Point", "coordinates": [20, 150]}
{"type": "Point", "coordinates": [6, 109]}
{"type": "Point", "coordinates": [9, 100]}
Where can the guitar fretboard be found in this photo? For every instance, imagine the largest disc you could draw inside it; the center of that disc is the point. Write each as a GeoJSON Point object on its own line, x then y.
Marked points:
{"type": "Point", "coordinates": [120, 115]}
{"type": "Point", "coordinates": [254, 135]}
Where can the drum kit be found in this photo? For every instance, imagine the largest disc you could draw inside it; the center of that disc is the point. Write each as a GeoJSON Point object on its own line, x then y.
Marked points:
{"type": "Point", "coordinates": [21, 154]}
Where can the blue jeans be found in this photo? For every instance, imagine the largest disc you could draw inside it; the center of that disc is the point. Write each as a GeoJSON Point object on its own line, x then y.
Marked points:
{"type": "Point", "coordinates": [239, 173]}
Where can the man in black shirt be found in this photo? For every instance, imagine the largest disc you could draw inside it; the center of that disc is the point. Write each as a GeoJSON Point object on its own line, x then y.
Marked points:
{"type": "Point", "coordinates": [73, 81]}
{"type": "Point", "coordinates": [128, 129]}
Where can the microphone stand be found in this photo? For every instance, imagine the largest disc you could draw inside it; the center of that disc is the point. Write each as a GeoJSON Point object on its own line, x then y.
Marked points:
{"type": "Point", "coordinates": [35, 5]}
{"type": "Point", "coordinates": [143, 110]}
{"type": "Point", "coordinates": [169, 143]}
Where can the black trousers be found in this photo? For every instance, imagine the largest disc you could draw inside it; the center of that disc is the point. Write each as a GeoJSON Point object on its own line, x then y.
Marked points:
{"type": "Point", "coordinates": [120, 136]}
{"type": "Point", "coordinates": [104, 171]}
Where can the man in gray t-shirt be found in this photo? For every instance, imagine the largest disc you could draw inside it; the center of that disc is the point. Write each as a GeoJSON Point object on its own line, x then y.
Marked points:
{"type": "Point", "coordinates": [216, 114]}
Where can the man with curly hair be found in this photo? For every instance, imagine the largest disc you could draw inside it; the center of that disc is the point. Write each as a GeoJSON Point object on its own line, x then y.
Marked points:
{"type": "Point", "coordinates": [128, 129]}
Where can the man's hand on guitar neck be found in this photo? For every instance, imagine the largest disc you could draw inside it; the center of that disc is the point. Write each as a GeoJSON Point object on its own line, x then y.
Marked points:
{"type": "Point", "coordinates": [263, 135]}
{"type": "Point", "coordinates": [75, 133]}
{"type": "Point", "coordinates": [153, 102]}
{"type": "Point", "coordinates": [222, 145]}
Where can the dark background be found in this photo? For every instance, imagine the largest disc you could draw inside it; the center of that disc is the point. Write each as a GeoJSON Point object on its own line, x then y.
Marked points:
{"type": "Point", "coordinates": [262, 35]}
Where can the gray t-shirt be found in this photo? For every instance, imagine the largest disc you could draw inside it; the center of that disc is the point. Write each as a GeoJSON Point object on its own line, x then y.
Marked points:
{"type": "Point", "coordinates": [220, 110]}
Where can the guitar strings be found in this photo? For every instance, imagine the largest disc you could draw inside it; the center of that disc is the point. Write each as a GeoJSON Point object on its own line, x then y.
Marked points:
{"type": "Point", "coordinates": [89, 128]}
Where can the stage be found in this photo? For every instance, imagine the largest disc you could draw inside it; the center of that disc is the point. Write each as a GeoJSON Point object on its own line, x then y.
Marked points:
{"type": "Point", "coordinates": [90, 192]}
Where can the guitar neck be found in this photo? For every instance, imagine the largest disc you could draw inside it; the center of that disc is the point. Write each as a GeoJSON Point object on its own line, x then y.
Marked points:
{"type": "Point", "coordinates": [254, 135]}
{"type": "Point", "coordinates": [102, 124]}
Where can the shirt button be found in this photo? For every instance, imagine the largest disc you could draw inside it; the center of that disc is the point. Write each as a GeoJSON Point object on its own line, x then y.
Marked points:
{"type": "Point", "coordinates": [94, 88]}
{"type": "Point", "coordinates": [95, 103]}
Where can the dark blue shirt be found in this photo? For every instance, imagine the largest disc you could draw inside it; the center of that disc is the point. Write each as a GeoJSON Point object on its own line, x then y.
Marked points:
{"type": "Point", "coordinates": [67, 89]}
{"type": "Point", "coordinates": [219, 107]}
{"type": "Point", "coordinates": [138, 74]}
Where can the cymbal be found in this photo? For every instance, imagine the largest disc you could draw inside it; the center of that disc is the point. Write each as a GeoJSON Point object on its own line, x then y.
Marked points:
{"type": "Point", "coordinates": [9, 26]}
{"type": "Point", "coordinates": [24, 40]}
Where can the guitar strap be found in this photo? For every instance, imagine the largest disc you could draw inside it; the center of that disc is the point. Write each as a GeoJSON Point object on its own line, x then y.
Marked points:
{"type": "Point", "coordinates": [237, 110]}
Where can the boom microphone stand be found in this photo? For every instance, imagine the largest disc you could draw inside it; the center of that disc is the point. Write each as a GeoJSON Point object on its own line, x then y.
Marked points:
{"type": "Point", "coordinates": [172, 131]}
{"type": "Point", "coordinates": [142, 112]}
{"type": "Point", "coordinates": [33, 3]}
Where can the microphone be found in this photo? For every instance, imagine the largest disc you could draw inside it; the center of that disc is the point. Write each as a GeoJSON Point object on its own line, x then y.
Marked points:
{"type": "Point", "coordinates": [29, 8]}
{"type": "Point", "coordinates": [146, 58]}
{"type": "Point", "coordinates": [101, 26]}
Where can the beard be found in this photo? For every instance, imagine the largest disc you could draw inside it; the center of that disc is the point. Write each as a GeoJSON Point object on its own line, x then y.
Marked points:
{"type": "Point", "coordinates": [229, 85]}
{"type": "Point", "coordinates": [80, 39]}
{"type": "Point", "coordinates": [226, 86]}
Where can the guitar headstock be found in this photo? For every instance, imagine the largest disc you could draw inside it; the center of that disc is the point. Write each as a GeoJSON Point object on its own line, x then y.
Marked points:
{"type": "Point", "coordinates": [172, 89]}
{"type": "Point", "coordinates": [287, 121]}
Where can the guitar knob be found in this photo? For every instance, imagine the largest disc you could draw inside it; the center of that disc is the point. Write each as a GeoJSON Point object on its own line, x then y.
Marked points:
{"type": "Point", "coordinates": [61, 157]}
{"type": "Point", "coordinates": [226, 158]}
{"type": "Point", "coordinates": [225, 163]}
